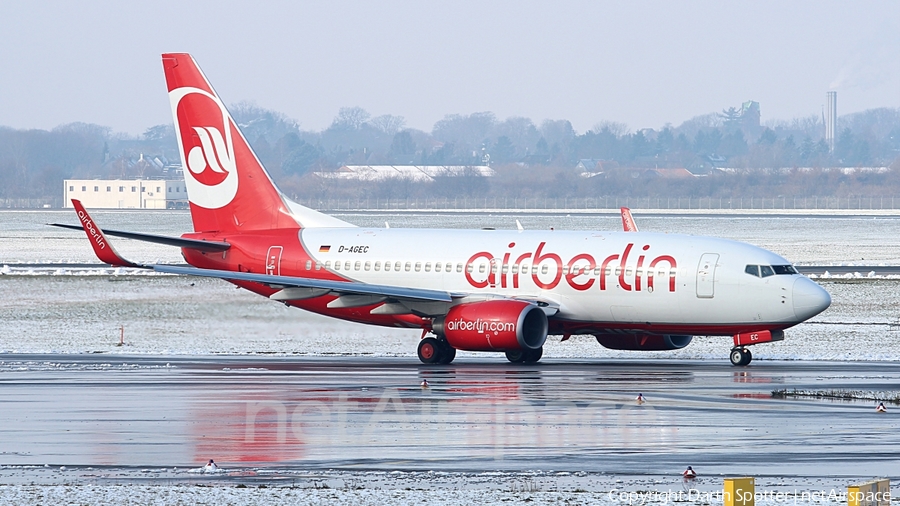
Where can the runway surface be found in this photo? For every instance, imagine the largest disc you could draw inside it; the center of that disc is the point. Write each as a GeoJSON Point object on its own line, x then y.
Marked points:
{"type": "Point", "coordinates": [364, 413]}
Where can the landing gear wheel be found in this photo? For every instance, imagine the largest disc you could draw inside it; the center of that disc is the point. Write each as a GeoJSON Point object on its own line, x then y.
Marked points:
{"type": "Point", "coordinates": [448, 353]}
{"type": "Point", "coordinates": [532, 356]}
{"type": "Point", "coordinates": [525, 356]}
{"type": "Point", "coordinates": [740, 356]}
{"type": "Point", "coordinates": [430, 350]}
{"type": "Point", "coordinates": [515, 356]}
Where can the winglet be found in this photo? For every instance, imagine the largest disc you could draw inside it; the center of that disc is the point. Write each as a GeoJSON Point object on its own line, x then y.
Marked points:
{"type": "Point", "coordinates": [102, 248]}
{"type": "Point", "coordinates": [628, 221]}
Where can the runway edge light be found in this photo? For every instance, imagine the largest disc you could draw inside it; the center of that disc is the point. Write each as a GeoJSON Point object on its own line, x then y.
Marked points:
{"type": "Point", "coordinates": [870, 493]}
{"type": "Point", "coordinates": [739, 491]}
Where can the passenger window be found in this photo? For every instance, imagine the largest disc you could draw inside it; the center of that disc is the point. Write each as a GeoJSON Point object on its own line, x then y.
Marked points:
{"type": "Point", "coordinates": [752, 270]}
{"type": "Point", "coordinates": [544, 269]}
{"type": "Point", "coordinates": [618, 271]}
{"type": "Point", "coordinates": [481, 268]}
{"type": "Point", "coordinates": [437, 266]}
{"type": "Point", "coordinates": [356, 266]}
{"type": "Point", "coordinates": [596, 271]}
{"type": "Point", "coordinates": [470, 268]}
{"type": "Point", "coordinates": [418, 266]}
{"type": "Point", "coordinates": [493, 268]}
{"type": "Point", "coordinates": [534, 269]}
{"type": "Point", "coordinates": [565, 269]}
{"type": "Point", "coordinates": [408, 266]}
{"type": "Point", "coordinates": [515, 269]}
{"type": "Point", "coordinates": [766, 271]}
{"type": "Point", "coordinates": [337, 266]}
{"type": "Point", "coordinates": [378, 265]}
{"type": "Point", "coordinates": [427, 266]}
{"type": "Point", "coordinates": [449, 267]}
{"type": "Point", "coordinates": [397, 266]}
{"type": "Point", "coordinates": [367, 266]}
{"type": "Point", "coordinates": [318, 266]}
{"type": "Point", "coordinates": [308, 264]}
{"type": "Point", "coordinates": [347, 265]}
{"type": "Point", "coordinates": [459, 268]}
{"type": "Point", "coordinates": [504, 269]}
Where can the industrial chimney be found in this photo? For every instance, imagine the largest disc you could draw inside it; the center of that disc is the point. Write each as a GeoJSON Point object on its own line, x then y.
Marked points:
{"type": "Point", "coordinates": [830, 118]}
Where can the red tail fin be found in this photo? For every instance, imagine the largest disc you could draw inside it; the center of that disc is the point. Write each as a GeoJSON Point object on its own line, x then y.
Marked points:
{"type": "Point", "coordinates": [229, 190]}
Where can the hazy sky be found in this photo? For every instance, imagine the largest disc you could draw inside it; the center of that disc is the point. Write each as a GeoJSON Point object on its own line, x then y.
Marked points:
{"type": "Point", "coordinates": [642, 63]}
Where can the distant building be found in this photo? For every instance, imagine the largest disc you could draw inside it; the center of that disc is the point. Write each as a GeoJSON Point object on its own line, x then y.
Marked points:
{"type": "Point", "coordinates": [675, 173]}
{"type": "Point", "coordinates": [126, 193]}
{"type": "Point", "coordinates": [589, 165]}
{"type": "Point", "coordinates": [409, 172]}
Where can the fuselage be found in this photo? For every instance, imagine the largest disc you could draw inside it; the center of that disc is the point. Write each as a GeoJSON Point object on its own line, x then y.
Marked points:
{"type": "Point", "coordinates": [599, 281]}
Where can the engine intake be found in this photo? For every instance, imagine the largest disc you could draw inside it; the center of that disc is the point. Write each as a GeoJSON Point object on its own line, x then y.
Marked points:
{"type": "Point", "coordinates": [493, 325]}
{"type": "Point", "coordinates": [643, 342]}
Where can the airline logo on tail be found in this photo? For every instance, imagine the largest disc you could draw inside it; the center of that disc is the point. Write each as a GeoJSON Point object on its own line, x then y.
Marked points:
{"type": "Point", "coordinates": [205, 133]}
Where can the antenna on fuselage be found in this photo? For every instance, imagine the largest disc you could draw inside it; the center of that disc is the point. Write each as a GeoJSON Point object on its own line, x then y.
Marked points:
{"type": "Point", "coordinates": [519, 226]}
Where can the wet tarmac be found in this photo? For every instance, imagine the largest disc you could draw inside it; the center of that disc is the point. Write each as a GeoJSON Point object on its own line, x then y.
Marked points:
{"type": "Point", "coordinates": [367, 413]}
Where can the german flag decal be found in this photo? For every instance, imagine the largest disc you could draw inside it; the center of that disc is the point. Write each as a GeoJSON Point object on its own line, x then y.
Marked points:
{"type": "Point", "coordinates": [324, 249]}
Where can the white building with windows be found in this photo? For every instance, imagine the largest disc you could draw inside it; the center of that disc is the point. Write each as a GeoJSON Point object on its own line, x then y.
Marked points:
{"type": "Point", "coordinates": [126, 193]}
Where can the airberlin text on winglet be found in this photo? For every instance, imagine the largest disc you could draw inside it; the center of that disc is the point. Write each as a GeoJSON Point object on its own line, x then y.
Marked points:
{"type": "Point", "coordinates": [587, 264]}
{"type": "Point", "coordinates": [91, 229]}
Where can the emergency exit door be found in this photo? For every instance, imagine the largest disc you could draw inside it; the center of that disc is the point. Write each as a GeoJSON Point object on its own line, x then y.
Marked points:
{"type": "Point", "coordinates": [273, 261]}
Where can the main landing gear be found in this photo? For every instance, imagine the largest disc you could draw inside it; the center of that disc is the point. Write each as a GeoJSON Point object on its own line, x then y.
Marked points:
{"type": "Point", "coordinates": [740, 356]}
{"type": "Point", "coordinates": [436, 351]}
{"type": "Point", "coordinates": [525, 356]}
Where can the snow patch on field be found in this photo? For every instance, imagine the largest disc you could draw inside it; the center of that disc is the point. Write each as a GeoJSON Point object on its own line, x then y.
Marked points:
{"type": "Point", "coordinates": [378, 488]}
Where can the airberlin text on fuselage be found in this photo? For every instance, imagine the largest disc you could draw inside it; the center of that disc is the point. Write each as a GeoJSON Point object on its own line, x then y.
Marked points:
{"type": "Point", "coordinates": [581, 274]}
{"type": "Point", "coordinates": [89, 225]}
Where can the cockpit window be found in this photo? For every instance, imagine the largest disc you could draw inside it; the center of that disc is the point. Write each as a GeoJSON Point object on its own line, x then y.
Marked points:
{"type": "Point", "coordinates": [785, 269]}
{"type": "Point", "coordinates": [764, 271]}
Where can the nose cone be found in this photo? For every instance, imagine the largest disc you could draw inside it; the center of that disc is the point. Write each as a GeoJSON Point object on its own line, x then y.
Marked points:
{"type": "Point", "coordinates": [809, 298]}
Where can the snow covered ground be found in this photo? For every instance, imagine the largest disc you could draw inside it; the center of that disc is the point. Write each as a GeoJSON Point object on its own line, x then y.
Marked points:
{"type": "Point", "coordinates": [174, 315]}
{"type": "Point", "coordinates": [428, 487]}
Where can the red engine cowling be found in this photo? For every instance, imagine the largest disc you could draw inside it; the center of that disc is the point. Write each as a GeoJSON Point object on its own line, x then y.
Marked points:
{"type": "Point", "coordinates": [643, 342]}
{"type": "Point", "coordinates": [494, 325]}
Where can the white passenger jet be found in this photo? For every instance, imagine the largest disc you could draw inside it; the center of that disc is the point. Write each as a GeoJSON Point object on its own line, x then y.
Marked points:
{"type": "Point", "coordinates": [477, 290]}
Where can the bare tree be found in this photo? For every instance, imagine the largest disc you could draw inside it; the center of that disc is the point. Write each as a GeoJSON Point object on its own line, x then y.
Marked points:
{"type": "Point", "coordinates": [350, 118]}
{"type": "Point", "coordinates": [387, 124]}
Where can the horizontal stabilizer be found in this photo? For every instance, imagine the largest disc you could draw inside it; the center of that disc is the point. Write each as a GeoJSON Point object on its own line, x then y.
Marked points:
{"type": "Point", "coordinates": [211, 246]}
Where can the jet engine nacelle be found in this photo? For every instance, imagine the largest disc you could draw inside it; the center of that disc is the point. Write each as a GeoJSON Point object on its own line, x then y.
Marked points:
{"type": "Point", "coordinates": [643, 342]}
{"type": "Point", "coordinates": [493, 325]}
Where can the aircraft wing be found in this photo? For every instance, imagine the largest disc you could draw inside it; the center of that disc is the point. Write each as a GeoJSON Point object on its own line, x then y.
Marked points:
{"type": "Point", "coordinates": [211, 246]}
{"type": "Point", "coordinates": [291, 288]}
{"type": "Point", "coordinates": [338, 287]}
